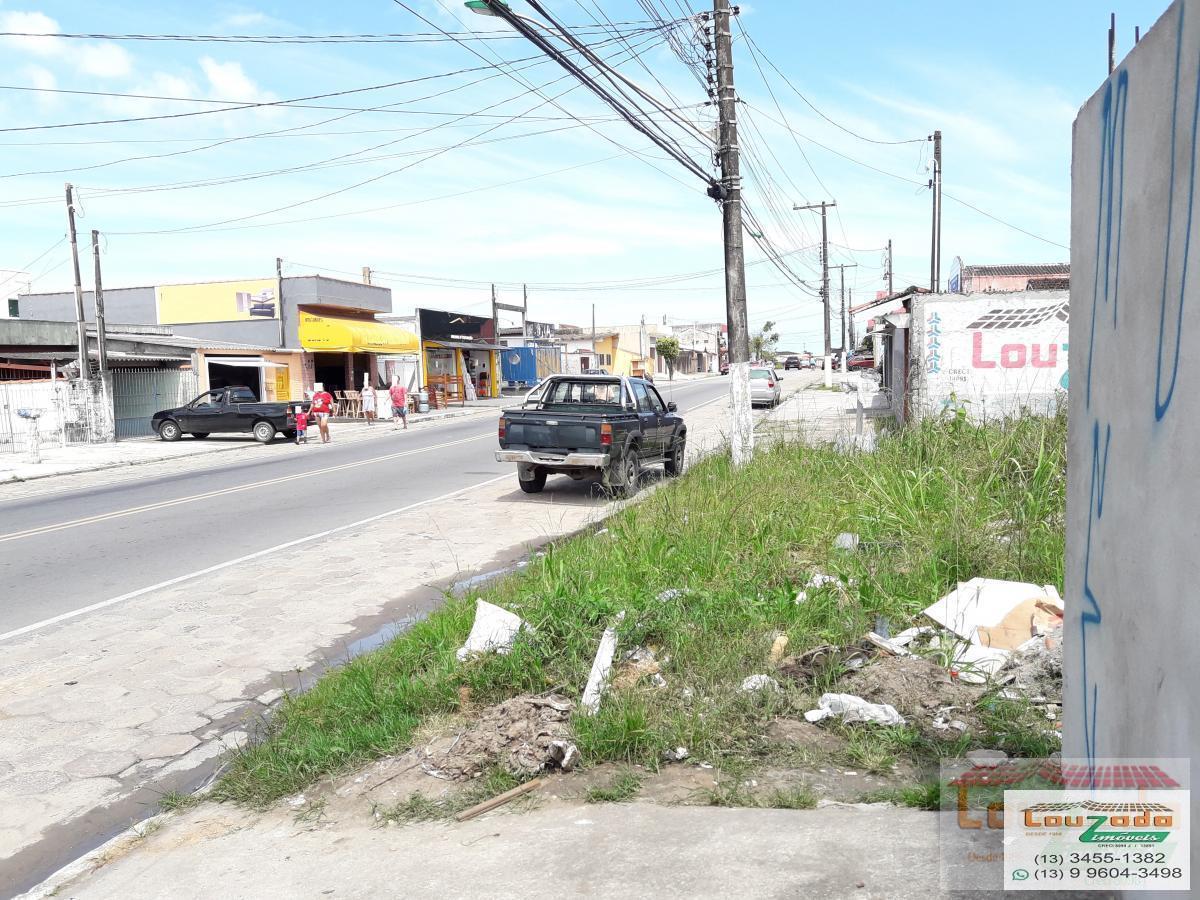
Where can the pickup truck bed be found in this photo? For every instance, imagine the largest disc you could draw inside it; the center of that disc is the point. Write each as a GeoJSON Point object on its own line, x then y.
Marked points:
{"type": "Point", "coordinates": [229, 410]}
{"type": "Point", "coordinates": [601, 425]}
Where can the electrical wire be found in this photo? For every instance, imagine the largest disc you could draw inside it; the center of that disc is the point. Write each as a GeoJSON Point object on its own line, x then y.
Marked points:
{"type": "Point", "coordinates": [395, 38]}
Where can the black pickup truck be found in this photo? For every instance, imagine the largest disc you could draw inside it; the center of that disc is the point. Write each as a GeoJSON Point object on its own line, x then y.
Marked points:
{"type": "Point", "coordinates": [228, 410]}
{"type": "Point", "coordinates": [600, 424]}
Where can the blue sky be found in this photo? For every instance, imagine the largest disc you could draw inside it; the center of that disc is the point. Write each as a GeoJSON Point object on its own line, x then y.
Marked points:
{"type": "Point", "coordinates": [560, 205]}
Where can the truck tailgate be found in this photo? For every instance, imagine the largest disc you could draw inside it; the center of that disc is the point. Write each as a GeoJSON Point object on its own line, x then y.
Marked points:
{"type": "Point", "coordinates": [546, 431]}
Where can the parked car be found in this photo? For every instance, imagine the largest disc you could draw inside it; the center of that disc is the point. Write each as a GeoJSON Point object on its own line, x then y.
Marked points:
{"type": "Point", "coordinates": [229, 410]}
{"type": "Point", "coordinates": [808, 363]}
{"type": "Point", "coordinates": [764, 386]}
{"type": "Point", "coordinates": [861, 360]}
{"type": "Point", "coordinates": [792, 362]}
{"type": "Point", "coordinates": [592, 424]}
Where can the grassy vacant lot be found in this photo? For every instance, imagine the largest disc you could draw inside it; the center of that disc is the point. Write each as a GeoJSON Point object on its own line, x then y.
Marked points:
{"type": "Point", "coordinates": [938, 503]}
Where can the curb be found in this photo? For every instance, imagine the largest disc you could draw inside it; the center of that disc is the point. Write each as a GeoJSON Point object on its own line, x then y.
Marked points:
{"type": "Point", "coordinates": [210, 452]}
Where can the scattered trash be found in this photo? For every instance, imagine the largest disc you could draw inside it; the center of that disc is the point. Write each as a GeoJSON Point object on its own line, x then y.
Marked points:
{"type": "Point", "coordinates": [601, 532]}
{"type": "Point", "coordinates": [517, 735]}
{"type": "Point", "coordinates": [975, 664]}
{"type": "Point", "coordinates": [818, 580]}
{"type": "Point", "coordinates": [705, 765]}
{"type": "Point", "coordinates": [885, 645]}
{"type": "Point", "coordinates": [846, 541]}
{"type": "Point", "coordinates": [811, 664]}
{"type": "Point", "coordinates": [883, 627]}
{"type": "Point", "coordinates": [601, 668]}
{"type": "Point", "coordinates": [918, 689]}
{"type": "Point", "coordinates": [996, 614]}
{"type": "Point", "coordinates": [670, 594]}
{"type": "Point", "coordinates": [778, 648]}
{"type": "Point", "coordinates": [853, 709]}
{"type": "Point", "coordinates": [637, 664]}
{"type": "Point", "coordinates": [564, 754]}
{"type": "Point", "coordinates": [679, 754]}
{"type": "Point", "coordinates": [760, 683]}
{"type": "Point", "coordinates": [943, 721]}
{"type": "Point", "coordinates": [499, 800]}
{"type": "Point", "coordinates": [494, 629]}
{"type": "Point", "coordinates": [908, 635]}
{"type": "Point", "coordinates": [986, 756]}
{"type": "Point", "coordinates": [1035, 672]}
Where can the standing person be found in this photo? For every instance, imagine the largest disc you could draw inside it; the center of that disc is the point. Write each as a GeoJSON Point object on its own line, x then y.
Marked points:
{"type": "Point", "coordinates": [301, 425]}
{"type": "Point", "coordinates": [322, 406]}
{"type": "Point", "coordinates": [399, 397]}
{"type": "Point", "coordinates": [368, 401]}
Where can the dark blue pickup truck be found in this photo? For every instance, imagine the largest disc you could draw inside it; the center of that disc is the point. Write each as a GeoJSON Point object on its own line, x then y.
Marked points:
{"type": "Point", "coordinates": [599, 424]}
{"type": "Point", "coordinates": [229, 410]}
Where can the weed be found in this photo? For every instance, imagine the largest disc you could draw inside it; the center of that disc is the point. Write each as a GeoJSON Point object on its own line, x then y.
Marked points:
{"type": "Point", "coordinates": [921, 796]}
{"type": "Point", "coordinates": [1018, 728]}
{"type": "Point", "coordinates": [312, 812]}
{"type": "Point", "coordinates": [421, 808]}
{"type": "Point", "coordinates": [792, 798]}
{"type": "Point", "coordinates": [177, 801]}
{"type": "Point", "coordinates": [622, 788]}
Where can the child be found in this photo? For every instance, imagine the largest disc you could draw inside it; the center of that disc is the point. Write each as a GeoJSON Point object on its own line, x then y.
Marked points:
{"type": "Point", "coordinates": [301, 425]}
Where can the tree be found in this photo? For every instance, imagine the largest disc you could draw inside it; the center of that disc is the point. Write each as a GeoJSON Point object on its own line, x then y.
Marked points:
{"type": "Point", "coordinates": [668, 349]}
{"type": "Point", "coordinates": [762, 345]}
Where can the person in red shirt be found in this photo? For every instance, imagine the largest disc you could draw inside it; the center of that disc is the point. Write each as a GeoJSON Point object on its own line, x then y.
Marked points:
{"type": "Point", "coordinates": [322, 406]}
{"type": "Point", "coordinates": [399, 396]}
{"type": "Point", "coordinates": [301, 425]}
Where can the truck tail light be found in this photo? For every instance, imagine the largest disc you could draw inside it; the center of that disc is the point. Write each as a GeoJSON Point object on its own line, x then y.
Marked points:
{"type": "Point", "coordinates": [503, 425]}
{"type": "Point", "coordinates": [605, 435]}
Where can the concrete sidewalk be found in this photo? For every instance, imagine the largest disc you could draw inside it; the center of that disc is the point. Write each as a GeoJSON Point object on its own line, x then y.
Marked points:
{"type": "Point", "coordinates": [558, 850]}
{"type": "Point", "coordinates": [819, 415]}
{"type": "Point", "coordinates": [138, 451]}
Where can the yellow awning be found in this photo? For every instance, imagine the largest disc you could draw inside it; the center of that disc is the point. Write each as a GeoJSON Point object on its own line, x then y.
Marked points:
{"type": "Point", "coordinates": [333, 334]}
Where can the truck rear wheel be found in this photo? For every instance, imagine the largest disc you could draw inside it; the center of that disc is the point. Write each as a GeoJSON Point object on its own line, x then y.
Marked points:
{"type": "Point", "coordinates": [623, 475]}
{"type": "Point", "coordinates": [264, 432]}
{"type": "Point", "coordinates": [534, 483]}
{"type": "Point", "coordinates": [673, 464]}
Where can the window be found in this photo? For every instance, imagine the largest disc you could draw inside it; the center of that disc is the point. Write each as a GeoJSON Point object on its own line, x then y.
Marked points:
{"type": "Point", "coordinates": [14, 308]}
{"type": "Point", "coordinates": [208, 401]}
{"type": "Point", "coordinates": [643, 399]}
{"type": "Point", "coordinates": [655, 400]}
{"type": "Point", "coordinates": [763, 374]}
{"type": "Point", "coordinates": [569, 394]}
{"type": "Point", "coordinates": [242, 395]}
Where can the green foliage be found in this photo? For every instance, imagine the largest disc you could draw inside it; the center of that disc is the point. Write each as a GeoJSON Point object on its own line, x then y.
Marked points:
{"type": "Point", "coordinates": [762, 344]}
{"type": "Point", "coordinates": [622, 788]}
{"type": "Point", "coordinates": [938, 502]}
{"type": "Point", "coordinates": [668, 349]}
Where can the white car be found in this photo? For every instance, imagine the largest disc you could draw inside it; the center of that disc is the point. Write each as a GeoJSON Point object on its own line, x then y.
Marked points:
{"type": "Point", "coordinates": [764, 386]}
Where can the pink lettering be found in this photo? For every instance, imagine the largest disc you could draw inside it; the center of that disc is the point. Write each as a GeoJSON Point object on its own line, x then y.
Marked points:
{"type": "Point", "coordinates": [1012, 356]}
{"type": "Point", "coordinates": [1051, 357]}
{"type": "Point", "coordinates": [977, 359]}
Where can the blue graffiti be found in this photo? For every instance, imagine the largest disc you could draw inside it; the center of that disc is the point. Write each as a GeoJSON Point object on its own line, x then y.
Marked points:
{"type": "Point", "coordinates": [1091, 615]}
{"type": "Point", "coordinates": [1161, 402]}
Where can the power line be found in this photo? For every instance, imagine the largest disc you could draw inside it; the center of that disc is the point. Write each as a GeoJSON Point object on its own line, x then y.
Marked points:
{"type": "Point", "coordinates": [393, 38]}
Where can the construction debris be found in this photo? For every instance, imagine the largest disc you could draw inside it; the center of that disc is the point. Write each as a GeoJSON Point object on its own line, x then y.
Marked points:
{"type": "Point", "coordinates": [524, 736]}
{"type": "Point", "coordinates": [919, 690]}
{"type": "Point", "coordinates": [601, 669]}
{"type": "Point", "coordinates": [499, 800]}
{"type": "Point", "coordinates": [996, 614]}
{"type": "Point", "coordinates": [811, 664]}
{"type": "Point", "coordinates": [889, 647]}
{"type": "Point", "coordinates": [494, 630]}
{"type": "Point", "coordinates": [638, 664]}
{"type": "Point", "coordinates": [846, 541]}
{"type": "Point", "coordinates": [679, 754]}
{"type": "Point", "coordinates": [908, 635]}
{"type": "Point", "coordinates": [760, 683]}
{"type": "Point", "coordinates": [1035, 673]}
{"type": "Point", "coordinates": [853, 709]}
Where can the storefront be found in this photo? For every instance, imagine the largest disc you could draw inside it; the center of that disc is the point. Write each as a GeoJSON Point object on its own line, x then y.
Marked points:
{"type": "Point", "coordinates": [345, 348]}
{"type": "Point", "coordinates": [270, 375]}
{"type": "Point", "coordinates": [459, 356]}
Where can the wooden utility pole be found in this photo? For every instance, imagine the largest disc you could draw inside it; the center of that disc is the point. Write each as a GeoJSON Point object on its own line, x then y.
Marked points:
{"type": "Point", "coordinates": [80, 325]}
{"type": "Point", "coordinates": [823, 206]}
{"type": "Point", "coordinates": [935, 250]}
{"type": "Point", "coordinates": [101, 348]}
{"type": "Point", "coordinates": [742, 438]}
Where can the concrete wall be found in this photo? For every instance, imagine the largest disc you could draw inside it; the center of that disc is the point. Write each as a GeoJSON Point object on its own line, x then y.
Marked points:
{"type": "Point", "coordinates": [1133, 529]}
{"type": "Point", "coordinates": [257, 332]}
{"type": "Point", "coordinates": [995, 354]}
{"type": "Point", "coordinates": [317, 289]}
{"type": "Point", "coordinates": [132, 306]}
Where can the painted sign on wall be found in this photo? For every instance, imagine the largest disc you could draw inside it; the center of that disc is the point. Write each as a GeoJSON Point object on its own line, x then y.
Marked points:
{"type": "Point", "coordinates": [996, 354]}
{"type": "Point", "coordinates": [218, 301]}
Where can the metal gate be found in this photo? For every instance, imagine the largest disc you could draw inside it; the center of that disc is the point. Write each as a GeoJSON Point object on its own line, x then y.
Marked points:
{"type": "Point", "coordinates": [138, 394]}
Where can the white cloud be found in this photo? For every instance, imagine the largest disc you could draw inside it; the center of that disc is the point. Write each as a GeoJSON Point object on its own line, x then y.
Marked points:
{"type": "Point", "coordinates": [104, 61]}
{"type": "Point", "coordinates": [229, 81]}
{"type": "Point", "coordinates": [43, 78]}
{"type": "Point", "coordinates": [33, 23]}
{"type": "Point", "coordinates": [247, 19]}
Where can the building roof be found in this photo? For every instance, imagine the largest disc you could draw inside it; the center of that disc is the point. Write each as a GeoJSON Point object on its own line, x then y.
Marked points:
{"type": "Point", "coordinates": [1018, 270]}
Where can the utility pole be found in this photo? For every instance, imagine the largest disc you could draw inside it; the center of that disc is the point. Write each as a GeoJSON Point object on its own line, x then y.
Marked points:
{"type": "Point", "coordinates": [842, 336]}
{"type": "Point", "coordinates": [594, 336]}
{"type": "Point", "coordinates": [935, 250]}
{"type": "Point", "coordinates": [742, 443]}
{"type": "Point", "coordinates": [80, 326]}
{"type": "Point", "coordinates": [366, 274]}
{"type": "Point", "coordinates": [891, 287]}
{"type": "Point", "coordinates": [853, 342]}
{"type": "Point", "coordinates": [101, 348]}
{"type": "Point", "coordinates": [524, 315]}
{"type": "Point", "coordinates": [824, 207]}
{"type": "Point", "coordinates": [279, 292]}
{"type": "Point", "coordinates": [1112, 42]}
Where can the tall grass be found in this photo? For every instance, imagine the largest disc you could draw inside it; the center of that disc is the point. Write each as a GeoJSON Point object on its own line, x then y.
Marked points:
{"type": "Point", "coordinates": [939, 502]}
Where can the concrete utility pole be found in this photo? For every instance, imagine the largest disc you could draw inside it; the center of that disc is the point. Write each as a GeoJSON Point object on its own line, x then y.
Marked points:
{"type": "Point", "coordinates": [101, 347]}
{"type": "Point", "coordinates": [366, 274]}
{"type": "Point", "coordinates": [279, 293]}
{"type": "Point", "coordinates": [891, 288]}
{"type": "Point", "coordinates": [842, 337]}
{"type": "Point", "coordinates": [935, 250]}
{"type": "Point", "coordinates": [823, 206]}
{"type": "Point", "coordinates": [742, 439]}
{"type": "Point", "coordinates": [80, 326]}
{"type": "Point", "coordinates": [524, 315]}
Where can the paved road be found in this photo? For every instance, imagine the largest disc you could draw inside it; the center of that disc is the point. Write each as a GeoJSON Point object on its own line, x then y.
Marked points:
{"type": "Point", "coordinates": [63, 552]}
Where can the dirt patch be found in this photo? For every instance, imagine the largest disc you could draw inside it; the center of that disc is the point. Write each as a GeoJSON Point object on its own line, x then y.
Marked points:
{"type": "Point", "coordinates": [801, 735]}
{"type": "Point", "coordinates": [922, 692]}
{"type": "Point", "coordinates": [515, 735]}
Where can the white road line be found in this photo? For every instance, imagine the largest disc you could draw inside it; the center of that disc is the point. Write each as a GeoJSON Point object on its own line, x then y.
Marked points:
{"type": "Point", "coordinates": [149, 507]}
{"type": "Point", "coordinates": [84, 610]}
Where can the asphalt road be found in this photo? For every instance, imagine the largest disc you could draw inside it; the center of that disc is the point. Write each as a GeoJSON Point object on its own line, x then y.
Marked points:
{"type": "Point", "coordinates": [61, 552]}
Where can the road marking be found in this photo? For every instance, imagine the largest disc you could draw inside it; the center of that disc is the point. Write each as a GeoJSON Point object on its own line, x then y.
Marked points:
{"type": "Point", "coordinates": [149, 507]}
{"type": "Point", "coordinates": [84, 610]}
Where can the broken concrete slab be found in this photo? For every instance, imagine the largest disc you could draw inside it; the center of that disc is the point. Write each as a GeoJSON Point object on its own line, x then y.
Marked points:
{"type": "Point", "coordinates": [494, 630]}
{"type": "Point", "coordinates": [601, 669]}
{"type": "Point", "coordinates": [993, 613]}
